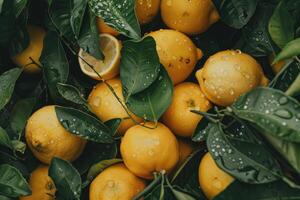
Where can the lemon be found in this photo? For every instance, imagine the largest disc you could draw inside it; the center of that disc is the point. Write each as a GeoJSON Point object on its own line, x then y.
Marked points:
{"type": "Point", "coordinates": [212, 179]}
{"type": "Point", "coordinates": [107, 68]}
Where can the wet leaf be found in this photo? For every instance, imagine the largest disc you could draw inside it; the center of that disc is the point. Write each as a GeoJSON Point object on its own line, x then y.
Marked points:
{"type": "Point", "coordinates": [83, 125]}
{"type": "Point", "coordinates": [20, 113]}
{"type": "Point", "coordinates": [140, 65]}
{"type": "Point", "coordinates": [281, 25]}
{"type": "Point", "coordinates": [290, 50]}
{"type": "Point", "coordinates": [238, 152]}
{"type": "Point", "coordinates": [113, 124]}
{"type": "Point", "coordinates": [294, 88]}
{"type": "Point", "coordinates": [7, 84]}
{"type": "Point", "coordinates": [66, 179]}
{"type": "Point", "coordinates": [71, 93]}
{"type": "Point", "coordinates": [202, 130]}
{"type": "Point", "coordinates": [151, 103]}
{"type": "Point", "coordinates": [77, 13]}
{"type": "Point", "coordinates": [12, 183]}
{"type": "Point", "coordinates": [99, 167]}
{"type": "Point", "coordinates": [55, 63]}
{"type": "Point", "coordinates": [236, 13]}
{"type": "Point", "coordinates": [277, 190]}
{"type": "Point", "coordinates": [119, 14]}
{"type": "Point", "coordinates": [19, 6]}
{"type": "Point", "coordinates": [272, 111]}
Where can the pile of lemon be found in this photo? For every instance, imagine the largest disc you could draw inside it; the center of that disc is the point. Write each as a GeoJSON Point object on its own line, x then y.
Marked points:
{"type": "Point", "coordinates": [224, 77]}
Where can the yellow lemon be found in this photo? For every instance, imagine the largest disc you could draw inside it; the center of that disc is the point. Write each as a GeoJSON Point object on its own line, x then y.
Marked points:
{"type": "Point", "coordinates": [146, 10]}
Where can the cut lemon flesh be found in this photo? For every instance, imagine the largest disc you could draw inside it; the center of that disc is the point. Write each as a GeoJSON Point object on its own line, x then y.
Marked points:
{"type": "Point", "coordinates": [108, 67]}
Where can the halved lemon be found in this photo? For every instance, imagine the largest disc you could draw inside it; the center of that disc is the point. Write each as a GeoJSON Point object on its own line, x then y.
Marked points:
{"type": "Point", "coordinates": [107, 68]}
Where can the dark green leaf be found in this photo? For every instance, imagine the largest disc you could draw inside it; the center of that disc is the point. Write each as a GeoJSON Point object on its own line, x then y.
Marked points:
{"type": "Point", "coordinates": [19, 6]}
{"type": "Point", "coordinates": [20, 113]}
{"type": "Point", "coordinates": [60, 14]}
{"type": "Point", "coordinates": [241, 154]}
{"type": "Point", "coordinates": [94, 153]}
{"type": "Point", "coordinates": [154, 101]}
{"type": "Point", "coordinates": [5, 198]}
{"type": "Point", "coordinates": [12, 183]}
{"type": "Point", "coordinates": [4, 139]}
{"type": "Point", "coordinates": [236, 13]}
{"type": "Point", "coordinates": [55, 63]}
{"type": "Point", "coordinates": [289, 150]}
{"type": "Point", "coordinates": [281, 25]}
{"type": "Point", "coordinates": [276, 191]}
{"type": "Point", "coordinates": [118, 14]}
{"type": "Point", "coordinates": [155, 193]}
{"type": "Point", "coordinates": [7, 85]}
{"type": "Point", "coordinates": [77, 13]}
{"type": "Point", "coordinates": [187, 180]}
{"type": "Point", "coordinates": [113, 124]}
{"type": "Point", "coordinates": [83, 125]}
{"type": "Point", "coordinates": [202, 130]}
{"type": "Point", "coordinates": [272, 111]}
{"type": "Point", "coordinates": [179, 195]}
{"type": "Point", "coordinates": [286, 76]}
{"type": "Point", "coordinates": [7, 21]}
{"type": "Point", "coordinates": [100, 166]}
{"type": "Point", "coordinates": [140, 65]}
{"type": "Point", "coordinates": [66, 178]}
{"type": "Point", "coordinates": [290, 50]}
{"type": "Point", "coordinates": [71, 93]}
{"type": "Point", "coordinates": [257, 40]}
{"type": "Point", "coordinates": [89, 39]}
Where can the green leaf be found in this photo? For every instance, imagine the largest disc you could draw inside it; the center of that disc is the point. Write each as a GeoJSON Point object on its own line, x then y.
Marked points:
{"type": "Point", "coordinates": [285, 78]}
{"type": "Point", "coordinates": [4, 139]}
{"type": "Point", "coordinates": [238, 152]}
{"type": "Point", "coordinates": [83, 125]}
{"type": "Point", "coordinates": [236, 13]}
{"type": "Point", "coordinates": [294, 89]}
{"type": "Point", "coordinates": [288, 150]}
{"type": "Point", "coordinates": [290, 50]}
{"type": "Point", "coordinates": [257, 40]}
{"type": "Point", "coordinates": [140, 65]}
{"type": "Point", "coordinates": [272, 111]}
{"type": "Point", "coordinates": [187, 180]}
{"type": "Point", "coordinates": [155, 100]}
{"type": "Point", "coordinates": [60, 15]}
{"type": "Point", "coordinates": [55, 63]}
{"type": "Point", "coordinates": [119, 14]}
{"type": "Point", "coordinates": [113, 124]}
{"type": "Point", "coordinates": [7, 21]}
{"type": "Point", "coordinates": [66, 178]}
{"type": "Point", "coordinates": [20, 38]}
{"type": "Point", "coordinates": [89, 36]}
{"type": "Point", "coordinates": [202, 130]}
{"type": "Point", "coordinates": [5, 198]}
{"type": "Point", "coordinates": [7, 84]}
{"type": "Point", "coordinates": [12, 183]}
{"type": "Point", "coordinates": [20, 113]}
{"type": "Point", "coordinates": [281, 25]}
{"type": "Point", "coordinates": [100, 166]}
{"type": "Point", "coordinates": [277, 190]}
{"type": "Point", "coordinates": [179, 195]}
{"type": "Point", "coordinates": [71, 93]}
{"type": "Point", "coordinates": [19, 6]}
{"type": "Point", "coordinates": [77, 14]}
{"type": "Point", "coordinates": [155, 193]}
{"type": "Point", "coordinates": [94, 153]}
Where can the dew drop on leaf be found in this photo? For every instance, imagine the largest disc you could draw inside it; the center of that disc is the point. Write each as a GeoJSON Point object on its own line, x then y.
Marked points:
{"type": "Point", "coordinates": [283, 113]}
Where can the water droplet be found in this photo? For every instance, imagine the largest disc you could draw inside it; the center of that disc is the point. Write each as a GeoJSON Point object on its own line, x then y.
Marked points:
{"type": "Point", "coordinates": [283, 100]}
{"type": "Point", "coordinates": [217, 183]}
{"type": "Point", "coordinates": [283, 114]}
{"type": "Point", "coordinates": [110, 183]}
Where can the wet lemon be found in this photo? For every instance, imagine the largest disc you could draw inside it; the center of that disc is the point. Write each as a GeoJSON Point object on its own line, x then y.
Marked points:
{"type": "Point", "coordinates": [229, 74]}
{"type": "Point", "coordinates": [107, 68]}
{"type": "Point", "coordinates": [116, 183]}
{"type": "Point", "coordinates": [146, 10]}
{"type": "Point", "coordinates": [212, 179]}
{"type": "Point", "coordinates": [179, 118]}
{"type": "Point", "coordinates": [185, 149]}
{"type": "Point", "coordinates": [34, 50]}
{"type": "Point", "coordinates": [106, 106]}
{"type": "Point", "coordinates": [190, 17]}
{"type": "Point", "coordinates": [104, 28]}
{"type": "Point", "coordinates": [47, 138]}
{"type": "Point", "coordinates": [146, 151]}
{"type": "Point", "coordinates": [177, 53]}
{"type": "Point", "coordinates": [41, 185]}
